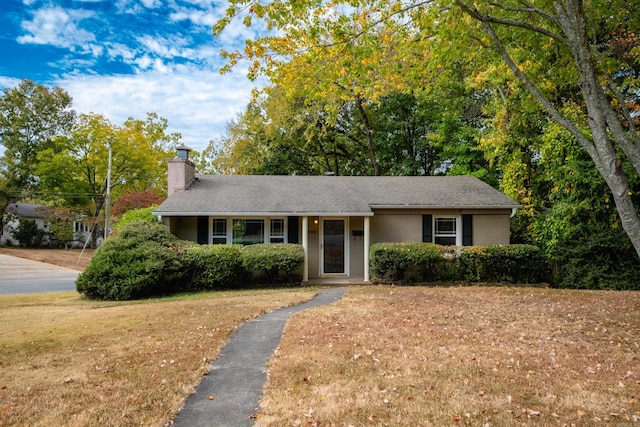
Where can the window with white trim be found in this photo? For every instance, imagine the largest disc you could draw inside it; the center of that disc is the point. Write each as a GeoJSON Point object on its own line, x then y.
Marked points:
{"type": "Point", "coordinates": [219, 231]}
{"type": "Point", "coordinates": [277, 230]}
{"type": "Point", "coordinates": [445, 230]}
{"type": "Point", "coordinates": [248, 231]}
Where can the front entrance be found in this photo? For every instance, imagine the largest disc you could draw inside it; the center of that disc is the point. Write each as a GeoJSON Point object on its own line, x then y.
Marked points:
{"type": "Point", "coordinates": [333, 247]}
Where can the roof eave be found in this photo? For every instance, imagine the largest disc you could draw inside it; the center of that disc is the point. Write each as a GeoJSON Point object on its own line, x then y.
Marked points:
{"type": "Point", "coordinates": [515, 206]}
{"type": "Point", "coordinates": [262, 214]}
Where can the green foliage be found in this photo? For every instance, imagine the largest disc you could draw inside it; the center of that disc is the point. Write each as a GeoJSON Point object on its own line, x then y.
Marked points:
{"type": "Point", "coordinates": [213, 267]}
{"type": "Point", "coordinates": [415, 262]}
{"type": "Point", "coordinates": [60, 230]}
{"type": "Point", "coordinates": [142, 260]}
{"type": "Point", "coordinates": [408, 261]}
{"type": "Point", "coordinates": [273, 262]}
{"type": "Point", "coordinates": [32, 117]}
{"type": "Point", "coordinates": [596, 261]}
{"type": "Point", "coordinates": [135, 215]}
{"type": "Point", "coordinates": [28, 233]}
{"type": "Point", "coordinates": [502, 263]}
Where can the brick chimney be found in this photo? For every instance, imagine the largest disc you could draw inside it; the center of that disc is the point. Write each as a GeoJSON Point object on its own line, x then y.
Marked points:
{"type": "Point", "coordinates": [182, 171]}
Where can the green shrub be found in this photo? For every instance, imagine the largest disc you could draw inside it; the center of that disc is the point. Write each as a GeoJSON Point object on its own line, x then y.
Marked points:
{"type": "Point", "coordinates": [409, 262]}
{"type": "Point", "coordinates": [214, 267]}
{"type": "Point", "coordinates": [596, 261]}
{"type": "Point", "coordinates": [273, 262]}
{"type": "Point", "coordinates": [28, 233]}
{"type": "Point", "coordinates": [502, 263]}
{"type": "Point", "coordinates": [135, 215]}
{"type": "Point", "coordinates": [142, 260]}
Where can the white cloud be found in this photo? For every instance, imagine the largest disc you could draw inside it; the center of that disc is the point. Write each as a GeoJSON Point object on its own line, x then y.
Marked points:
{"type": "Point", "coordinates": [8, 82]}
{"type": "Point", "coordinates": [196, 103]}
{"type": "Point", "coordinates": [58, 27]}
{"type": "Point", "coordinates": [151, 4]}
{"type": "Point", "coordinates": [197, 17]}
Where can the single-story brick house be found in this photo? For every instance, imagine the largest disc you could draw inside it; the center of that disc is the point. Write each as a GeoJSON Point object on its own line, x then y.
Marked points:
{"type": "Point", "coordinates": [335, 218]}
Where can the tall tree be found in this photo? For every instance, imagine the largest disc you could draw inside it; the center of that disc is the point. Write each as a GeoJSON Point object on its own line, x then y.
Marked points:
{"type": "Point", "coordinates": [75, 170]}
{"type": "Point", "coordinates": [32, 116]}
{"type": "Point", "coordinates": [586, 52]}
{"type": "Point", "coordinates": [578, 60]}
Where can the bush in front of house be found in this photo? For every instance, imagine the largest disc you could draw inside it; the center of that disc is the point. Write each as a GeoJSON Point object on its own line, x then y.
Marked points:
{"type": "Point", "coordinates": [416, 262]}
{"type": "Point", "coordinates": [502, 263]}
{"type": "Point", "coordinates": [273, 262]}
{"type": "Point", "coordinates": [211, 267]}
{"type": "Point", "coordinates": [28, 233]}
{"type": "Point", "coordinates": [409, 262]}
{"type": "Point", "coordinates": [142, 260]}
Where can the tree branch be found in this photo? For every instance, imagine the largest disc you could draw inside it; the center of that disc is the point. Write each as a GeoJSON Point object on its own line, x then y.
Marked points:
{"type": "Point", "coordinates": [546, 104]}
{"type": "Point", "coordinates": [475, 13]}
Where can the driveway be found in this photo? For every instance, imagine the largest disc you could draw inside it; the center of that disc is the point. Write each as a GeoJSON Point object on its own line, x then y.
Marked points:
{"type": "Point", "coordinates": [19, 275]}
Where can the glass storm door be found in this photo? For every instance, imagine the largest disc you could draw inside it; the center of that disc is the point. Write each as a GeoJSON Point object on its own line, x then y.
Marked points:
{"type": "Point", "coordinates": [333, 250]}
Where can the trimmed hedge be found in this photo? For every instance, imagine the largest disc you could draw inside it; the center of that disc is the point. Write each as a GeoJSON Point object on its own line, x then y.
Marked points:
{"type": "Point", "coordinates": [213, 267]}
{"type": "Point", "coordinates": [407, 261]}
{"type": "Point", "coordinates": [145, 260]}
{"type": "Point", "coordinates": [141, 261]}
{"type": "Point", "coordinates": [273, 262]}
{"type": "Point", "coordinates": [502, 263]}
{"type": "Point", "coordinates": [416, 262]}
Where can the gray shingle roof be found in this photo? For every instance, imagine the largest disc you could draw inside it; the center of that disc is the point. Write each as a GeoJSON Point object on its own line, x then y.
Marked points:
{"type": "Point", "coordinates": [321, 195]}
{"type": "Point", "coordinates": [29, 210]}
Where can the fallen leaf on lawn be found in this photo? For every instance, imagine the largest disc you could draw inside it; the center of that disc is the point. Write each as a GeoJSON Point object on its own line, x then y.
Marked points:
{"type": "Point", "coordinates": [532, 413]}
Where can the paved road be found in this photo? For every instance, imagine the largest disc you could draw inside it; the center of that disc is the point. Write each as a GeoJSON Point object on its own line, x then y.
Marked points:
{"type": "Point", "coordinates": [19, 275]}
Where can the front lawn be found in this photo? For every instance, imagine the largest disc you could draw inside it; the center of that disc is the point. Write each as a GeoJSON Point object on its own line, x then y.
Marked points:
{"type": "Point", "coordinates": [458, 356]}
{"type": "Point", "coordinates": [396, 356]}
{"type": "Point", "coordinates": [67, 361]}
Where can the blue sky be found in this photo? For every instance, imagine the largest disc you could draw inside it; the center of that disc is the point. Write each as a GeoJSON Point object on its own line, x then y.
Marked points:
{"type": "Point", "coordinates": [124, 58]}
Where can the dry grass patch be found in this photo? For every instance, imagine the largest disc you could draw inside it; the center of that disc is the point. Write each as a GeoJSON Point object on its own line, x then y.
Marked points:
{"type": "Point", "coordinates": [416, 356]}
{"type": "Point", "coordinates": [73, 362]}
{"type": "Point", "coordinates": [76, 259]}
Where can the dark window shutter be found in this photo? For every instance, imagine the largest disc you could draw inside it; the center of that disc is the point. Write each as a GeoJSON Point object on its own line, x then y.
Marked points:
{"type": "Point", "coordinates": [203, 230]}
{"type": "Point", "coordinates": [427, 228]}
{"type": "Point", "coordinates": [292, 229]}
{"type": "Point", "coordinates": [467, 230]}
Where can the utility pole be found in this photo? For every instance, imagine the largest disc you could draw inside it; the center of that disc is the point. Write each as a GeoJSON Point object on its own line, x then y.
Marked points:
{"type": "Point", "coordinates": [107, 208]}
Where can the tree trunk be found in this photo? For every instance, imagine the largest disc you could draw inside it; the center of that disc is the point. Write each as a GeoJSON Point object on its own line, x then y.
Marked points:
{"type": "Point", "coordinates": [603, 121]}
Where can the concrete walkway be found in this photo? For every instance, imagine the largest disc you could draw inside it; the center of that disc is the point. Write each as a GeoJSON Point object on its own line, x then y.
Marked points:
{"type": "Point", "coordinates": [237, 377]}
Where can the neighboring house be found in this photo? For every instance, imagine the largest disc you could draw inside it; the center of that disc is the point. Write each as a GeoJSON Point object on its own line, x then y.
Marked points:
{"type": "Point", "coordinates": [17, 211]}
{"type": "Point", "coordinates": [335, 218]}
{"type": "Point", "coordinates": [41, 215]}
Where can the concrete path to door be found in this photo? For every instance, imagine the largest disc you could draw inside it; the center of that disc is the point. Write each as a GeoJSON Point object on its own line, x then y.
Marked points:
{"type": "Point", "coordinates": [21, 276]}
{"type": "Point", "coordinates": [229, 395]}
